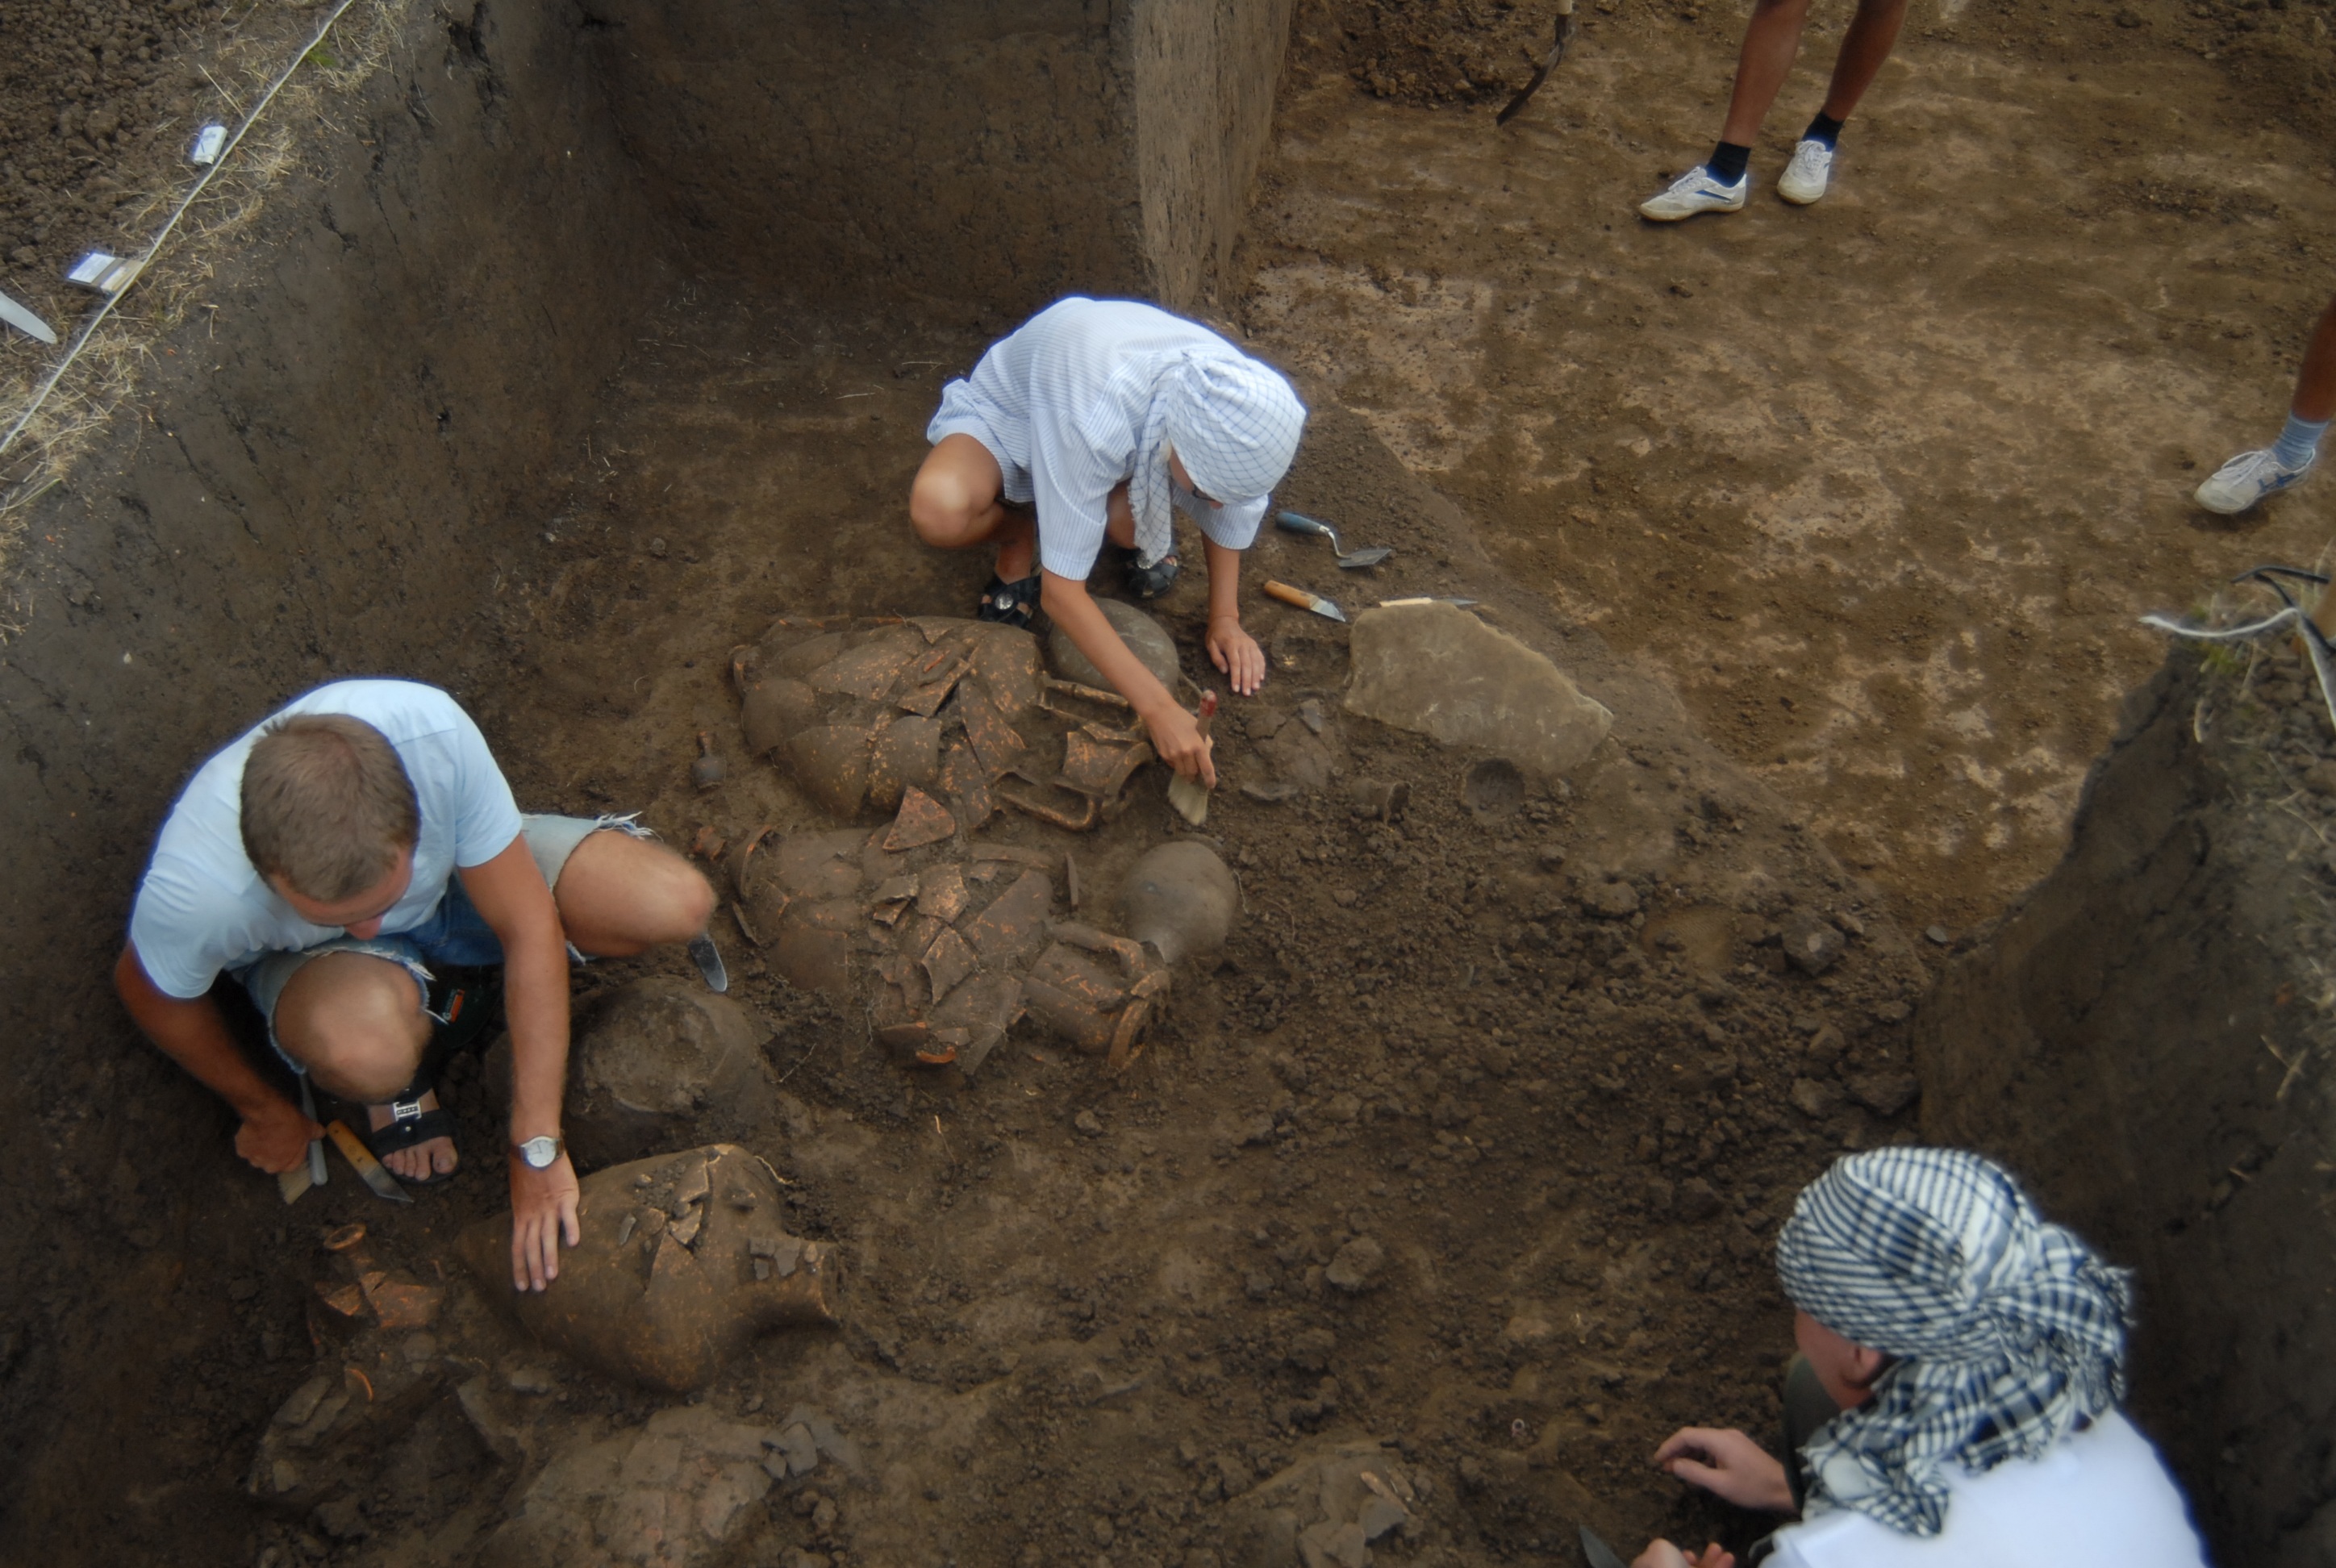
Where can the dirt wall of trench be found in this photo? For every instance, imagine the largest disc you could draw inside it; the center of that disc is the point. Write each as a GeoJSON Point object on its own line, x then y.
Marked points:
{"type": "Point", "coordinates": [988, 156]}
{"type": "Point", "coordinates": [327, 470]}
{"type": "Point", "coordinates": [2145, 1037]}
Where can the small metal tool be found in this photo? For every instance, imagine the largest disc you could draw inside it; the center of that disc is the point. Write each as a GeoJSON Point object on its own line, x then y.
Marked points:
{"type": "Point", "coordinates": [1550, 62]}
{"type": "Point", "coordinates": [709, 962]}
{"type": "Point", "coordinates": [1349, 561]}
{"type": "Point", "coordinates": [1601, 1554]}
{"type": "Point", "coordinates": [370, 1170]}
{"type": "Point", "coordinates": [25, 322]}
{"type": "Point", "coordinates": [1304, 600]}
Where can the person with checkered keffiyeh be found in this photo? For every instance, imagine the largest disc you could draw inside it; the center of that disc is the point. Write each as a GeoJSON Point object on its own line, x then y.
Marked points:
{"type": "Point", "coordinates": [1094, 425]}
{"type": "Point", "coordinates": [1955, 1398]}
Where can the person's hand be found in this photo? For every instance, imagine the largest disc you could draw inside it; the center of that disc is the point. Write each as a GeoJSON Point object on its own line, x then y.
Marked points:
{"type": "Point", "coordinates": [1236, 653]}
{"type": "Point", "coordinates": [276, 1138]}
{"type": "Point", "coordinates": [1177, 739]}
{"type": "Point", "coordinates": [1663, 1555]}
{"type": "Point", "coordinates": [1728, 1465]}
{"type": "Point", "coordinates": [543, 1211]}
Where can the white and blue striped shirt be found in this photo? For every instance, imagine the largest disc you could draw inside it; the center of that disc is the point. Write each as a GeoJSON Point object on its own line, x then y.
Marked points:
{"type": "Point", "coordinates": [1078, 401]}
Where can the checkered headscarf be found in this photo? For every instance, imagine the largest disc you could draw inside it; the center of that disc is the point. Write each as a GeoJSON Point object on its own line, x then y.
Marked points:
{"type": "Point", "coordinates": [1233, 421]}
{"type": "Point", "coordinates": [2009, 1332]}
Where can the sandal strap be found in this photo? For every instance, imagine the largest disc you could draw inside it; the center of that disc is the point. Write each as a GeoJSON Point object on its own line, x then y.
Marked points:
{"type": "Point", "coordinates": [405, 1130]}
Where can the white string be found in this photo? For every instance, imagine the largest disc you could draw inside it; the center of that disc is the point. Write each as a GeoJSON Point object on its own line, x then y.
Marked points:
{"type": "Point", "coordinates": [80, 338]}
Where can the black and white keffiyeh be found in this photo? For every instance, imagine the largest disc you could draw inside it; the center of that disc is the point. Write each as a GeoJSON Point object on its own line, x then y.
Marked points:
{"type": "Point", "coordinates": [2009, 1331]}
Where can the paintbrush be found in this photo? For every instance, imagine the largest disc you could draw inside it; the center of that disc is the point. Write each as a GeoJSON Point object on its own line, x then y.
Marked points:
{"type": "Point", "coordinates": [1186, 794]}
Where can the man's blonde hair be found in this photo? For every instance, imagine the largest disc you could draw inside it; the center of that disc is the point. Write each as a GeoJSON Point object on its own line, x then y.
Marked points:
{"type": "Point", "coordinates": [326, 805]}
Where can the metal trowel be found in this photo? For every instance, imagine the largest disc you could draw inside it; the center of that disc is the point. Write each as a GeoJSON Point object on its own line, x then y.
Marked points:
{"type": "Point", "coordinates": [1550, 62]}
{"type": "Point", "coordinates": [294, 1184]}
{"type": "Point", "coordinates": [1601, 1554]}
{"type": "Point", "coordinates": [1348, 559]}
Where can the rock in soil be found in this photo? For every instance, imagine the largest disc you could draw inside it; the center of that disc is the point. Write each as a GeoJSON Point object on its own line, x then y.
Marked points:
{"type": "Point", "coordinates": [1438, 670]}
{"type": "Point", "coordinates": [683, 1261]}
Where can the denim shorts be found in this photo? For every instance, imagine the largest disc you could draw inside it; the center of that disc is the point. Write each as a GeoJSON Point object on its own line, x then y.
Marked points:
{"type": "Point", "coordinates": [455, 934]}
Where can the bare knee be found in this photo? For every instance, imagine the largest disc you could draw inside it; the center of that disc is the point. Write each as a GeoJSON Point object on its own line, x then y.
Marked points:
{"type": "Point", "coordinates": [954, 501]}
{"type": "Point", "coordinates": [619, 895]}
{"type": "Point", "coordinates": [943, 510]}
{"type": "Point", "coordinates": [356, 1023]}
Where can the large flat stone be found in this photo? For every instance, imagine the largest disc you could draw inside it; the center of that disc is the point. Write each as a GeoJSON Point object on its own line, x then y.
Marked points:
{"type": "Point", "coordinates": [1438, 671]}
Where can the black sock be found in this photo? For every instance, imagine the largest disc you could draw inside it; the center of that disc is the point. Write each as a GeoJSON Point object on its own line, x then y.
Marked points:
{"type": "Point", "coordinates": [1726, 162]}
{"type": "Point", "coordinates": [1824, 128]}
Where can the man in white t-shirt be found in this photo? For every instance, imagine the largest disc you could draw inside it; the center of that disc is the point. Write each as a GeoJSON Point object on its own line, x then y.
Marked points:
{"type": "Point", "coordinates": [326, 861]}
{"type": "Point", "coordinates": [1095, 423]}
{"type": "Point", "coordinates": [1965, 1360]}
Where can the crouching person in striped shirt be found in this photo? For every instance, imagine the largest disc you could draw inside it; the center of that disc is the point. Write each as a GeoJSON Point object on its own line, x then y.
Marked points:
{"type": "Point", "coordinates": [1955, 1398]}
{"type": "Point", "coordinates": [1092, 424]}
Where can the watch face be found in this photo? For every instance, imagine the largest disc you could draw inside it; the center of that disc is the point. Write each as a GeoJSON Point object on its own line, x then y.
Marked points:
{"type": "Point", "coordinates": [539, 1152]}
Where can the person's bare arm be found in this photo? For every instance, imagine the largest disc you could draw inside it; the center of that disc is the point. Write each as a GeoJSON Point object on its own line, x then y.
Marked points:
{"type": "Point", "coordinates": [510, 894]}
{"type": "Point", "coordinates": [1232, 649]}
{"type": "Point", "coordinates": [274, 1137]}
{"type": "Point", "coordinates": [1175, 733]}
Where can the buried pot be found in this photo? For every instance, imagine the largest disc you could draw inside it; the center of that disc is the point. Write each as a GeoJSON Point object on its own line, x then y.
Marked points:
{"type": "Point", "coordinates": [1180, 899]}
{"type": "Point", "coordinates": [682, 1262]}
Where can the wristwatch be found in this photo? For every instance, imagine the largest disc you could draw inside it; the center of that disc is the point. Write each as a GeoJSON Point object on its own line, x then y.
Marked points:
{"type": "Point", "coordinates": [539, 1152]}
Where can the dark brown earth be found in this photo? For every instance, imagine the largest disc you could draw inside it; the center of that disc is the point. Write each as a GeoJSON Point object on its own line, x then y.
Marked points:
{"type": "Point", "coordinates": [1570, 1132]}
{"type": "Point", "coordinates": [98, 105]}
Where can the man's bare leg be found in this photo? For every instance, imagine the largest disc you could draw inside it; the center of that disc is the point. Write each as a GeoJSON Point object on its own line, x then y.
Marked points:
{"type": "Point", "coordinates": [2315, 383]}
{"type": "Point", "coordinates": [1771, 40]}
{"type": "Point", "coordinates": [619, 895]}
{"type": "Point", "coordinates": [355, 1022]}
{"type": "Point", "coordinates": [958, 501]}
{"type": "Point", "coordinates": [1872, 34]}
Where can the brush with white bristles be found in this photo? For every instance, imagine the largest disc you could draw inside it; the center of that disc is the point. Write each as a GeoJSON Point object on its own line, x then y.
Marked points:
{"type": "Point", "coordinates": [1187, 795]}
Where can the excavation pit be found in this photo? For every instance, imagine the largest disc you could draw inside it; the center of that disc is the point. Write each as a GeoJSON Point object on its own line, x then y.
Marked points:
{"type": "Point", "coordinates": [572, 353]}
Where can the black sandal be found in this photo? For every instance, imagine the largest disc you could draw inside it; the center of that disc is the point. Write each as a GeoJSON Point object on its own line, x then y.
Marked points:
{"type": "Point", "coordinates": [410, 1125]}
{"type": "Point", "coordinates": [1146, 581]}
{"type": "Point", "coordinates": [1010, 603]}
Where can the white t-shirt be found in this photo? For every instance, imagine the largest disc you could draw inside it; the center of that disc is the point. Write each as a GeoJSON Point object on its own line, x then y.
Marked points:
{"type": "Point", "coordinates": [203, 907]}
{"type": "Point", "coordinates": [1067, 395]}
{"type": "Point", "coordinates": [2100, 1499]}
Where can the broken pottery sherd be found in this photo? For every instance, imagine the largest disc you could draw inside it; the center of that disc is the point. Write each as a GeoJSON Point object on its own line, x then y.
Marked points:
{"type": "Point", "coordinates": [935, 714]}
{"type": "Point", "coordinates": [1326, 1508]}
{"type": "Point", "coordinates": [1438, 670]}
{"type": "Point", "coordinates": [684, 1259]}
{"type": "Point", "coordinates": [322, 1439]}
{"type": "Point", "coordinates": [683, 1490]}
{"type": "Point", "coordinates": [1180, 899]}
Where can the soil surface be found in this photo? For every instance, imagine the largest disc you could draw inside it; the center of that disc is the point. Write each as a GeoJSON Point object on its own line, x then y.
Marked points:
{"type": "Point", "coordinates": [99, 106]}
{"type": "Point", "coordinates": [1880, 483]}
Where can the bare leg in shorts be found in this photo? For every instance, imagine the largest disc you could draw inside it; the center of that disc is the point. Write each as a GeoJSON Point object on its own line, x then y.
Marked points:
{"type": "Point", "coordinates": [356, 1022]}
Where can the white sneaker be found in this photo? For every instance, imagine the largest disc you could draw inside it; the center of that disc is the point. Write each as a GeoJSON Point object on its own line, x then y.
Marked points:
{"type": "Point", "coordinates": [2245, 480]}
{"type": "Point", "coordinates": [1803, 180]}
{"type": "Point", "coordinates": [1696, 191]}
